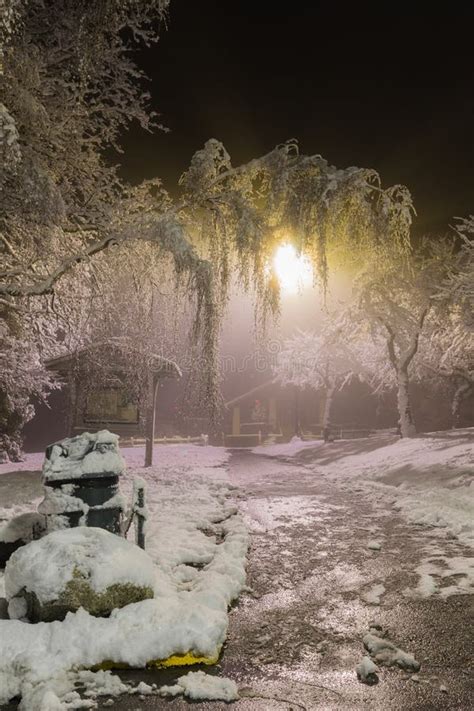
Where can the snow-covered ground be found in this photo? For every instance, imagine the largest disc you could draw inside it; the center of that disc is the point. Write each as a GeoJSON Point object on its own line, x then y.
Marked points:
{"type": "Point", "coordinates": [285, 449]}
{"type": "Point", "coordinates": [430, 478]}
{"type": "Point", "coordinates": [198, 543]}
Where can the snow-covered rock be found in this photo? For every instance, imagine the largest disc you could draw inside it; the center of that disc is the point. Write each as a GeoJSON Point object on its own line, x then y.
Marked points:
{"type": "Point", "coordinates": [79, 567]}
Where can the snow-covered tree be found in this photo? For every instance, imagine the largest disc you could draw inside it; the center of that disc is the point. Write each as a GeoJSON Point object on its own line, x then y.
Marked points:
{"type": "Point", "coordinates": [459, 283]}
{"type": "Point", "coordinates": [325, 361]}
{"type": "Point", "coordinates": [446, 355]}
{"type": "Point", "coordinates": [138, 317]}
{"type": "Point", "coordinates": [447, 349]}
{"type": "Point", "coordinates": [70, 89]}
{"type": "Point", "coordinates": [22, 376]}
{"type": "Point", "coordinates": [395, 301]}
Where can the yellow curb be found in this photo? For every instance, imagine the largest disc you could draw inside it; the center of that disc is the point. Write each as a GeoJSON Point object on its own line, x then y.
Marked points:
{"type": "Point", "coordinates": [176, 660]}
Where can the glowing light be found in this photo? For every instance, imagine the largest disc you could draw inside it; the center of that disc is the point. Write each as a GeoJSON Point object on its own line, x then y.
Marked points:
{"type": "Point", "coordinates": [294, 272]}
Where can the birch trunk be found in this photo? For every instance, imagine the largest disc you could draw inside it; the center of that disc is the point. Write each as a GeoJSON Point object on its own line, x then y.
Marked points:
{"type": "Point", "coordinates": [459, 394]}
{"type": "Point", "coordinates": [406, 422]}
{"type": "Point", "coordinates": [327, 411]}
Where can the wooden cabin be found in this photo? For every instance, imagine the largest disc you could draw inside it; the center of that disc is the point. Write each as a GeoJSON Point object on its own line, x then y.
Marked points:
{"type": "Point", "coordinates": [254, 416]}
{"type": "Point", "coordinates": [109, 406]}
{"type": "Point", "coordinates": [270, 413]}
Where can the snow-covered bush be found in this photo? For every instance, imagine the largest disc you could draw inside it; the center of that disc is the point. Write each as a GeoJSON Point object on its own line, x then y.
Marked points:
{"type": "Point", "coordinates": [22, 376]}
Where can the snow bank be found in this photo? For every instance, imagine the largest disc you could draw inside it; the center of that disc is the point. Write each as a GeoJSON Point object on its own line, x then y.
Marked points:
{"type": "Point", "coordinates": [448, 508]}
{"type": "Point", "coordinates": [198, 543]}
{"type": "Point", "coordinates": [430, 478]}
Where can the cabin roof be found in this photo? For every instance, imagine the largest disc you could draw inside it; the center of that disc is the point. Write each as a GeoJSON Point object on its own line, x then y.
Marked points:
{"type": "Point", "coordinates": [249, 393]}
{"type": "Point", "coordinates": [160, 366]}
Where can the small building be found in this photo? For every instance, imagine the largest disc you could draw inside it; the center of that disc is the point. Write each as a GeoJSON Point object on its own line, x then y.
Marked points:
{"type": "Point", "coordinates": [270, 412]}
{"type": "Point", "coordinates": [99, 399]}
{"type": "Point", "coordinates": [253, 417]}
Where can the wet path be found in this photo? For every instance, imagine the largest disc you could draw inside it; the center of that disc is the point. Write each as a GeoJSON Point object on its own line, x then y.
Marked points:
{"type": "Point", "coordinates": [310, 570]}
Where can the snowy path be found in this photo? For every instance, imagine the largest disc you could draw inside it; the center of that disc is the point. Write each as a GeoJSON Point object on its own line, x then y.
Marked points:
{"type": "Point", "coordinates": [317, 584]}
{"type": "Point", "coordinates": [297, 638]}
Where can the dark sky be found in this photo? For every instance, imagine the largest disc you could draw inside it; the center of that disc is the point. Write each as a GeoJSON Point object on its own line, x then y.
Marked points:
{"type": "Point", "coordinates": [385, 87]}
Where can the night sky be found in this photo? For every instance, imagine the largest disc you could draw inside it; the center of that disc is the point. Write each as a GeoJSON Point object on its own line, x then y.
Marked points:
{"type": "Point", "coordinates": [392, 92]}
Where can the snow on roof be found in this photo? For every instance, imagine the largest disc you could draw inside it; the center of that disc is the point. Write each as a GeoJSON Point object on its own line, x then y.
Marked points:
{"type": "Point", "coordinates": [250, 392]}
{"type": "Point", "coordinates": [158, 364]}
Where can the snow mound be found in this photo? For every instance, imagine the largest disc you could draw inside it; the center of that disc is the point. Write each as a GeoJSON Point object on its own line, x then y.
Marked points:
{"type": "Point", "coordinates": [200, 686]}
{"type": "Point", "coordinates": [88, 453]}
{"type": "Point", "coordinates": [384, 652]}
{"type": "Point", "coordinates": [46, 566]}
{"type": "Point", "coordinates": [22, 527]}
{"type": "Point", "coordinates": [198, 543]}
{"type": "Point", "coordinates": [367, 671]}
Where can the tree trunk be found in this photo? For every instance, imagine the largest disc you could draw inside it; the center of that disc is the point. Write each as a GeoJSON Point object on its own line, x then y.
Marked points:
{"type": "Point", "coordinates": [459, 394]}
{"type": "Point", "coordinates": [406, 422]}
{"type": "Point", "coordinates": [11, 424]}
{"type": "Point", "coordinates": [150, 421]}
{"type": "Point", "coordinates": [297, 413]}
{"type": "Point", "coordinates": [327, 412]}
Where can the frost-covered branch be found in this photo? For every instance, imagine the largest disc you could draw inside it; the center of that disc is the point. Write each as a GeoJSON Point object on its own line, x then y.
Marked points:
{"type": "Point", "coordinates": [395, 301]}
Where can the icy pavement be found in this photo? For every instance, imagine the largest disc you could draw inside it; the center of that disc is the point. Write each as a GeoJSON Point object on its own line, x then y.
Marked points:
{"type": "Point", "coordinates": [316, 586]}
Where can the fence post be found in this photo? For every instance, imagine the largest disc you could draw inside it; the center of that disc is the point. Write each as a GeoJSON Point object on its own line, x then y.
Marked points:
{"type": "Point", "coordinates": [139, 511]}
